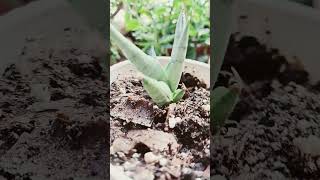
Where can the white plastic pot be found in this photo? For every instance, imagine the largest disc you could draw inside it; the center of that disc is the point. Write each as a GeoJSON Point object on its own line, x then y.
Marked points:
{"type": "Point", "coordinates": [127, 69]}
{"type": "Point", "coordinates": [43, 19]}
{"type": "Point", "coordinates": [294, 29]}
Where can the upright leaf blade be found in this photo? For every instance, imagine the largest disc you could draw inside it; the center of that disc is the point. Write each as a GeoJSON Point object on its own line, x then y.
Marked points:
{"type": "Point", "coordinates": [146, 64]}
{"type": "Point", "coordinates": [177, 95]}
{"type": "Point", "coordinates": [223, 101]}
{"type": "Point", "coordinates": [159, 91]}
{"type": "Point", "coordinates": [222, 19]}
{"type": "Point", "coordinates": [175, 67]}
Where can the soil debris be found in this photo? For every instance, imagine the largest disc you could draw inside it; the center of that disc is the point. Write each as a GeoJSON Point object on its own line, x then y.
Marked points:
{"type": "Point", "coordinates": [170, 142]}
{"type": "Point", "coordinates": [49, 127]}
{"type": "Point", "coordinates": [274, 130]}
{"type": "Point", "coordinates": [157, 141]}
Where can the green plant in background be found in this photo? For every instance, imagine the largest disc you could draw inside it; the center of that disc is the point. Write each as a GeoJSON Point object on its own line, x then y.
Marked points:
{"type": "Point", "coordinates": [160, 83]}
{"type": "Point", "coordinates": [114, 55]}
{"type": "Point", "coordinates": [151, 24]}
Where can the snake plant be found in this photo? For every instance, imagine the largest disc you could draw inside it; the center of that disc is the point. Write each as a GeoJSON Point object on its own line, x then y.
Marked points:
{"type": "Point", "coordinates": [223, 99]}
{"type": "Point", "coordinates": [161, 83]}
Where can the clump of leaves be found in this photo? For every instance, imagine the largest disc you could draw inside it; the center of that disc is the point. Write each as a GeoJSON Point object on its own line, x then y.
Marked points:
{"type": "Point", "coordinates": [160, 83]}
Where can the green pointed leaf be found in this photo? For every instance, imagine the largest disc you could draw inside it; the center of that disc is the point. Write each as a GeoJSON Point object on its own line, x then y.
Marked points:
{"type": "Point", "coordinates": [223, 101]}
{"type": "Point", "coordinates": [152, 52]}
{"type": "Point", "coordinates": [132, 25]}
{"type": "Point", "coordinates": [146, 64]}
{"type": "Point", "coordinates": [175, 67]}
{"type": "Point", "coordinates": [238, 77]}
{"type": "Point", "coordinates": [159, 91]}
{"type": "Point", "coordinates": [192, 31]}
{"type": "Point", "coordinates": [166, 39]}
{"type": "Point", "coordinates": [177, 95]}
{"type": "Point", "coordinates": [222, 27]}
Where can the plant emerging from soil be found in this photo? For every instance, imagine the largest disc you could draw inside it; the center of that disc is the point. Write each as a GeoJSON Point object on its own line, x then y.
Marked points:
{"type": "Point", "coordinates": [160, 83]}
{"type": "Point", "coordinates": [223, 100]}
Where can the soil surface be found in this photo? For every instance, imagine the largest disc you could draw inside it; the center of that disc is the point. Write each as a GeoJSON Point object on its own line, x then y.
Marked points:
{"type": "Point", "coordinates": [274, 132]}
{"type": "Point", "coordinates": [53, 116]}
{"type": "Point", "coordinates": [151, 142]}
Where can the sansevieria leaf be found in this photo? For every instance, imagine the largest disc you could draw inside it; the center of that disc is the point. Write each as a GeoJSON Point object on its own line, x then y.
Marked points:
{"type": "Point", "coordinates": [161, 84]}
{"type": "Point", "coordinates": [222, 28]}
{"type": "Point", "coordinates": [223, 101]}
{"type": "Point", "coordinates": [159, 91]}
{"type": "Point", "coordinates": [177, 95]}
{"type": "Point", "coordinates": [175, 67]}
{"type": "Point", "coordinates": [146, 64]}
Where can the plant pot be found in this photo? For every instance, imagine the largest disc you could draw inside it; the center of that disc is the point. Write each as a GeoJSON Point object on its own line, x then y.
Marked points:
{"type": "Point", "coordinates": [35, 20]}
{"type": "Point", "coordinates": [126, 68]}
{"type": "Point", "coordinates": [48, 25]}
{"type": "Point", "coordinates": [272, 23]}
{"type": "Point", "coordinates": [136, 119]}
{"type": "Point", "coordinates": [269, 120]}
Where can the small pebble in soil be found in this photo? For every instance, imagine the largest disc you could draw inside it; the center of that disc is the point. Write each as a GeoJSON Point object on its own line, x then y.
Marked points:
{"type": "Point", "coordinates": [149, 157]}
{"type": "Point", "coordinates": [122, 145]}
{"type": "Point", "coordinates": [121, 155]}
{"type": "Point", "coordinates": [135, 155]}
{"type": "Point", "coordinates": [173, 121]}
{"type": "Point", "coordinates": [144, 174]}
{"type": "Point", "coordinates": [206, 107]}
{"type": "Point", "coordinates": [163, 162]}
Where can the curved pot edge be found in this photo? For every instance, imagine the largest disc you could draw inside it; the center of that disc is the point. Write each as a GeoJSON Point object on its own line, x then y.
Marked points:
{"type": "Point", "coordinates": [199, 69]}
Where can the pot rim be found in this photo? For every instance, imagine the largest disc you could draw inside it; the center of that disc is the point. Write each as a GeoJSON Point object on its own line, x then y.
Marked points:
{"type": "Point", "coordinates": [189, 61]}
{"type": "Point", "coordinates": [198, 69]}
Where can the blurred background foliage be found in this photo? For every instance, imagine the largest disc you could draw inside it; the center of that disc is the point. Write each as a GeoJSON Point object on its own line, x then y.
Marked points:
{"type": "Point", "coordinates": [151, 23]}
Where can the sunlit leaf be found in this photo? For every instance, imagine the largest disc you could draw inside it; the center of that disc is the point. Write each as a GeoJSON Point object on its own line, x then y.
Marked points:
{"type": "Point", "coordinates": [177, 95]}
{"type": "Point", "coordinates": [192, 30]}
{"type": "Point", "coordinates": [175, 66]}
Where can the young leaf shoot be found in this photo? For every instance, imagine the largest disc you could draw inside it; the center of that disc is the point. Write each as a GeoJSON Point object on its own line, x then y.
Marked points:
{"type": "Point", "coordinates": [160, 83]}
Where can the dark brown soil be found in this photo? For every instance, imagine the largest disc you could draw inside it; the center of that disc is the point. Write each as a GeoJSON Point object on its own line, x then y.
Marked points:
{"type": "Point", "coordinates": [274, 132]}
{"type": "Point", "coordinates": [58, 130]}
{"type": "Point", "coordinates": [170, 142]}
